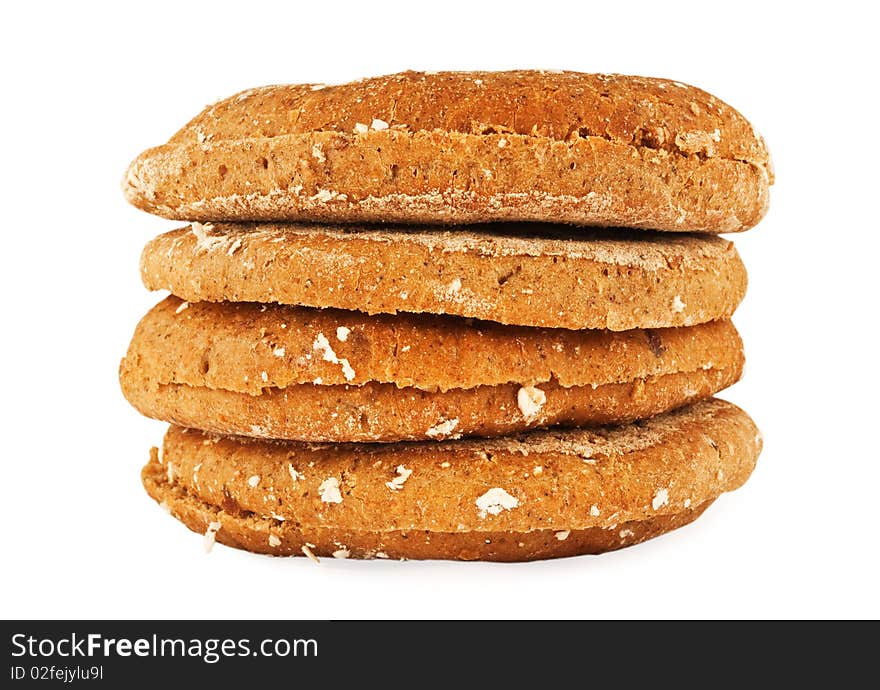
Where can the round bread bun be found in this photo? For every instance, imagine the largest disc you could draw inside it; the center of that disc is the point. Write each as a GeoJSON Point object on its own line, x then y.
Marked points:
{"type": "Point", "coordinates": [527, 275]}
{"type": "Point", "coordinates": [538, 495]}
{"type": "Point", "coordinates": [297, 373]}
{"type": "Point", "coordinates": [454, 147]}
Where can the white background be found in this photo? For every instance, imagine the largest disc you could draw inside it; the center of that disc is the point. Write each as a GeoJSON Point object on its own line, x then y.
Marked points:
{"type": "Point", "coordinates": [86, 87]}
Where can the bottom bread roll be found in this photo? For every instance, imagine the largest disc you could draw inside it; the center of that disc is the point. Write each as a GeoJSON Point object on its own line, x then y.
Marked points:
{"type": "Point", "coordinates": [539, 495]}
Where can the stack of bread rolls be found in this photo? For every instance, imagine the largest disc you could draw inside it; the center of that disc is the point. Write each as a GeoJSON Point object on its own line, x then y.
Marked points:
{"type": "Point", "coordinates": [464, 315]}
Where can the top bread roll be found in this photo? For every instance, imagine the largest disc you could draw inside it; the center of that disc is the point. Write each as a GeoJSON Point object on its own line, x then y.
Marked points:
{"type": "Point", "coordinates": [465, 147]}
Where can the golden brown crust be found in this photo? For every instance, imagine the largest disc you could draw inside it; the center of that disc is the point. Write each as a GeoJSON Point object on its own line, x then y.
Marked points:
{"type": "Point", "coordinates": [295, 373]}
{"type": "Point", "coordinates": [632, 472]}
{"type": "Point", "coordinates": [252, 533]}
{"type": "Point", "coordinates": [246, 347]}
{"type": "Point", "coordinates": [618, 108]}
{"type": "Point", "coordinates": [524, 275]}
{"type": "Point", "coordinates": [439, 500]}
{"type": "Point", "coordinates": [465, 147]}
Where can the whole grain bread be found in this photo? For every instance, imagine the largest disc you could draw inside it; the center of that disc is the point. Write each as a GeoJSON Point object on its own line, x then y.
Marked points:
{"type": "Point", "coordinates": [453, 147]}
{"type": "Point", "coordinates": [286, 538]}
{"type": "Point", "coordinates": [440, 500]}
{"type": "Point", "coordinates": [285, 372]}
{"type": "Point", "coordinates": [531, 275]}
{"type": "Point", "coordinates": [248, 347]}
